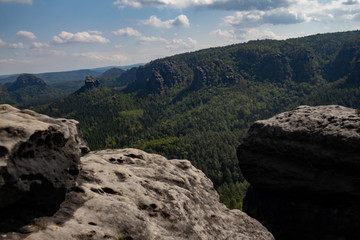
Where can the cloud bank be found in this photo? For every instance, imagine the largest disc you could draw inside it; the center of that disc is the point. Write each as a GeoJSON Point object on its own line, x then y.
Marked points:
{"type": "Point", "coordinates": [179, 21]}
{"type": "Point", "coordinates": [127, 32]}
{"type": "Point", "coordinates": [26, 35]}
{"type": "Point", "coordinates": [101, 57]}
{"type": "Point", "coordinates": [40, 45]}
{"type": "Point", "coordinates": [249, 19]}
{"type": "Point", "coordinates": [79, 37]}
{"type": "Point", "coordinates": [209, 4]}
{"type": "Point", "coordinates": [170, 44]}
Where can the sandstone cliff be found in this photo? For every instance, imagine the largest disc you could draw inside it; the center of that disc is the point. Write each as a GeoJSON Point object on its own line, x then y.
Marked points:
{"type": "Point", "coordinates": [123, 193]}
{"type": "Point", "coordinates": [304, 167]}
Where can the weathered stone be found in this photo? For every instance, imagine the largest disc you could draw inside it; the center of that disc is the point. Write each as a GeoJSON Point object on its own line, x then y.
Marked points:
{"type": "Point", "coordinates": [304, 167]}
{"type": "Point", "coordinates": [135, 195]}
{"type": "Point", "coordinates": [39, 161]}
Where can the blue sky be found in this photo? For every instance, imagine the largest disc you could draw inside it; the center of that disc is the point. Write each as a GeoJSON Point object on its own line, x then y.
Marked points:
{"type": "Point", "coordinates": [57, 35]}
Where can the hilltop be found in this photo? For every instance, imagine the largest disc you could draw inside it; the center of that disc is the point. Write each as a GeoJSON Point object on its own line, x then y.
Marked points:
{"type": "Point", "coordinates": [29, 89]}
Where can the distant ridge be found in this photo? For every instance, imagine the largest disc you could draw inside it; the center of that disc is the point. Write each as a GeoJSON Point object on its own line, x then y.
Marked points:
{"type": "Point", "coordinates": [52, 77]}
{"type": "Point", "coordinates": [72, 75]}
{"type": "Point", "coordinates": [29, 89]}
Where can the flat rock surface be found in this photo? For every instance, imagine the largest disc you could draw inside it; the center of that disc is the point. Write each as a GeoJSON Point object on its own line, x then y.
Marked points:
{"type": "Point", "coordinates": [130, 194]}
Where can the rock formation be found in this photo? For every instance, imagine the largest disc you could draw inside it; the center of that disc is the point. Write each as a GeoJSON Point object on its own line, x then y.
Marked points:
{"type": "Point", "coordinates": [118, 194]}
{"type": "Point", "coordinates": [91, 83]}
{"type": "Point", "coordinates": [39, 162]}
{"type": "Point", "coordinates": [304, 167]}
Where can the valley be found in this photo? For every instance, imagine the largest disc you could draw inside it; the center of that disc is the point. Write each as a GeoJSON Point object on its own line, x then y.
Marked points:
{"type": "Point", "coordinates": [199, 105]}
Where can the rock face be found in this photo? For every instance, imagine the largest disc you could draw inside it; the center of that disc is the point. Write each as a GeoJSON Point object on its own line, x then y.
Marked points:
{"type": "Point", "coordinates": [118, 194]}
{"type": "Point", "coordinates": [91, 83]}
{"type": "Point", "coordinates": [304, 167]}
{"type": "Point", "coordinates": [39, 162]}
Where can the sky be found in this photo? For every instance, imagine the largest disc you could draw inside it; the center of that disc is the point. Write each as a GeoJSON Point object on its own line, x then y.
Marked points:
{"type": "Point", "coordinates": [58, 35]}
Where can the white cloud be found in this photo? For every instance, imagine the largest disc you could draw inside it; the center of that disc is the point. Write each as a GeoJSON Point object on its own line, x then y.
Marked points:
{"type": "Point", "coordinates": [212, 4]}
{"type": "Point", "coordinates": [2, 43]}
{"type": "Point", "coordinates": [79, 37]}
{"type": "Point", "coordinates": [179, 21]}
{"type": "Point", "coordinates": [18, 1]}
{"type": "Point", "coordinates": [223, 33]}
{"type": "Point", "coordinates": [16, 45]}
{"type": "Point", "coordinates": [255, 33]}
{"type": "Point", "coordinates": [40, 45]}
{"type": "Point", "coordinates": [127, 32]}
{"type": "Point", "coordinates": [192, 41]}
{"type": "Point", "coordinates": [300, 11]}
{"type": "Point", "coordinates": [152, 39]}
{"type": "Point", "coordinates": [101, 57]}
{"type": "Point", "coordinates": [26, 35]}
{"type": "Point", "coordinates": [130, 3]}
{"type": "Point", "coordinates": [170, 44]}
{"type": "Point", "coordinates": [180, 43]}
{"type": "Point", "coordinates": [248, 19]}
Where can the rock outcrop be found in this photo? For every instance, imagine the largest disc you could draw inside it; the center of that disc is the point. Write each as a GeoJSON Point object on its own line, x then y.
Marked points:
{"type": "Point", "coordinates": [122, 194]}
{"type": "Point", "coordinates": [91, 83]}
{"type": "Point", "coordinates": [39, 163]}
{"type": "Point", "coordinates": [304, 167]}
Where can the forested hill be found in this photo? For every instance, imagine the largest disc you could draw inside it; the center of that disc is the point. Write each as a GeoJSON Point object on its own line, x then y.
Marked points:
{"type": "Point", "coordinates": [199, 105]}
{"type": "Point", "coordinates": [309, 59]}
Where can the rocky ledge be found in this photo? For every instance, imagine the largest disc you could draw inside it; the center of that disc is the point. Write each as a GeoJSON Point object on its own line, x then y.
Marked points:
{"type": "Point", "coordinates": [303, 167]}
{"type": "Point", "coordinates": [123, 194]}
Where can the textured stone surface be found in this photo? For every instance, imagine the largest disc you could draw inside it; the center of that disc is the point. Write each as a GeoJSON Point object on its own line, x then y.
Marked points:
{"type": "Point", "coordinates": [304, 167]}
{"type": "Point", "coordinates": [132, 194]}
{"type": "Point", "coordinates": [39, 161]}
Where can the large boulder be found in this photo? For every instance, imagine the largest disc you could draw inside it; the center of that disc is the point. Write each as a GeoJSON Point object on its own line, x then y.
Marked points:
{"type": "Point", "coordinates": [39, 163]}
{"type": "Point", "coordinates": [130, 194]}
{"type": "Point", "coordinates": [303, 166]}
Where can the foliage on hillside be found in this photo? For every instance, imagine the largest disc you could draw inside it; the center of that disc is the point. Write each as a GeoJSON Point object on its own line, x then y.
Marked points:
{"type": "Point", "coordinates": [28, 89]}
{"type": "Point", "coordinates": [199, 105]}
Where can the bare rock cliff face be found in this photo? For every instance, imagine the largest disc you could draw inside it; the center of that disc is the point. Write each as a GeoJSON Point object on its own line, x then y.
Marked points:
{"type": "Point", "coordinates": [39, 162]}
{"type": "Point", "coordinates": [130, 194]}
{"type": "Point", "coordinates": [304, 167]}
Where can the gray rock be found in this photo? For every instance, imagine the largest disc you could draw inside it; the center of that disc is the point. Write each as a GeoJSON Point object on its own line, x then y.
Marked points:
{"type": "Point", "coordinates": [304, 167]}
{"type": "Point", "coordinates": [39, 160]}
{"type": "Point", "coordinates": [135, 195]}
{"type": "Point", "coordinates": [91, 83]}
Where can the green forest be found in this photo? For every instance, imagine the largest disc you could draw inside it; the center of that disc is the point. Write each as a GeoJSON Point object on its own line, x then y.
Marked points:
{"type": "Point", "coordinates": [199, 105]}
